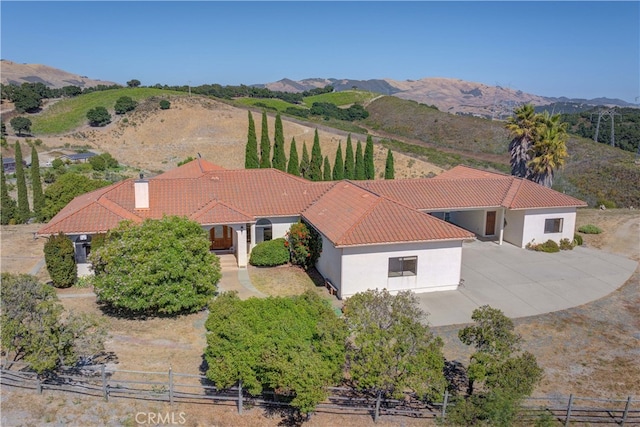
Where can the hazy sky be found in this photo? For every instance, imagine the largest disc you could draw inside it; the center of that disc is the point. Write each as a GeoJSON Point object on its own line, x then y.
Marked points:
{"type": "Point", "coordinates": [574, 49]}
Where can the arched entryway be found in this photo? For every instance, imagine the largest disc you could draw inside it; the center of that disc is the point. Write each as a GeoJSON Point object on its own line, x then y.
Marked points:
{"type": "Point", "coordinates": [264, 230]}
{"type": "Point", "coordinates": [221, 237]}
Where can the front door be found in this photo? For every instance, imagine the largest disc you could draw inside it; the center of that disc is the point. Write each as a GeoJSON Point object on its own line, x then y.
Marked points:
{"type": "Point", "coordinates": [221, 237]}
{"type": "Point", "coordinates": [490, 226]}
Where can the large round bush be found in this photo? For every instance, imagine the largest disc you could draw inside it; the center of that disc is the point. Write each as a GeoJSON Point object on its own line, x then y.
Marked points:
{"type": "Point", "coordinates": [270, 253]}
{"type": "Point", "coordinates": [157, 267]}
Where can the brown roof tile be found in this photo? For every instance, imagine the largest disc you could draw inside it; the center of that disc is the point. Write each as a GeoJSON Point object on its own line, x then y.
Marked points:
{"type": "Point", "coordinates": [349, 215]}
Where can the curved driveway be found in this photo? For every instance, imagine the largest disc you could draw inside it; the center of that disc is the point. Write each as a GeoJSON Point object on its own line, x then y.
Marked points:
{"type": "Point", "coordinates": [525, 283]}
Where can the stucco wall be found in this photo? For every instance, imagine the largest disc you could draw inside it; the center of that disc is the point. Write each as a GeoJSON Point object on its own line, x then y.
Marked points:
{"type": "Point", "coordinates": [366, 267]}
{"type": "Point", "coordinates": [473, 221]}
{"type": "Point", "coordinates": [330, 263]}
{"type": "Point", "coordinates": [534, 220]}
{"type": "Point", "coordinates": [513, 229]}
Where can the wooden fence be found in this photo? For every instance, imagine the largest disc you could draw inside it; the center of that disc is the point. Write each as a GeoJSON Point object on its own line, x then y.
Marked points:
{"type": "Point", "coordinates": [174, 387]}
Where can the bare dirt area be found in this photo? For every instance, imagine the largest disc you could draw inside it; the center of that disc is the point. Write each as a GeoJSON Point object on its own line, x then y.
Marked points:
{"type": "Point", "coordinates": [156, 140]}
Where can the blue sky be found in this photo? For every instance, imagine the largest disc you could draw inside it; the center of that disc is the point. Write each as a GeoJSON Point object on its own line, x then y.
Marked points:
{"type": "Point", "coordinates": [574, 49]}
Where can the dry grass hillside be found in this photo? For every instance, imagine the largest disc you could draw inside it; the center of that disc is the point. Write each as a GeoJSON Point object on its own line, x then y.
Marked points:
{"type": "Point", "coordinates": [156, 140]}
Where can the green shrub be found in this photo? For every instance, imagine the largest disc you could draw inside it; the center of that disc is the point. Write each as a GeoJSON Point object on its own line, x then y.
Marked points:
{"type": "Point", "coordinates": [270, 253]}
{"type": "Point", "coordinates": [549, 246]}
{"type": "Point", "coordinates": [165, 105]}
{"type": "Point", "coordinates": [566, 245]}
{"type": "Point", "coordinates": [590, 229]}
{"type": "Point", "coordinates": [305, 244]}
{"type": "Point", "coordinates": [577, 240]}
{"type": "Point", "coordinates": [59, 255]}
{"type": "Point", "coordinates": [608, 204]}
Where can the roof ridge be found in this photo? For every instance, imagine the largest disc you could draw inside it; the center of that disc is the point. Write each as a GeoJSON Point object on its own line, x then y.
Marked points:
{"type": "Point", "coordinates": [515, 193]}
{"type": "Point", "coordinates": [212, 203]}
{"type": "Point", "coordinates": [362, 217]}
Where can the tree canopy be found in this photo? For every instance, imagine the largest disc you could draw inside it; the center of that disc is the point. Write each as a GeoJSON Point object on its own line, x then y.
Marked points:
{"type": "Point", "coordinates": [125, 104]}
{"type": "Point", "coordinates": [293, 166]}
{"type": "Point", "coordinates": [279, 156]}
{"type": "Point", "coordinates": [265, 143]}
{"type": "Point", "coordinates": [34, 330]}
{"type": "Point", "coordinates": [504, 372]}
{"type": "Point", "coordinates": [291, 345]}
{"type": "Point", "coordinates": [98, 116]}
{"type": "Point", "coordinates": [538, 147]}
{"type": "Point", "coordinates": [251, 160]}
{"type": "Point", "coordinates": [66, 187]}
{"type": "Point", "coordinates": [9, 206]}
{"type": "Point", "coordinates": [156, 267]}
{"type": "Point", "coordinates": [21, 125]}
{"type": "Point", "coordinates": [23, 213]}
{"type": "Point", "coordinates": [389, 349]}
{"type": "Point", "coordinates": [315, 165]}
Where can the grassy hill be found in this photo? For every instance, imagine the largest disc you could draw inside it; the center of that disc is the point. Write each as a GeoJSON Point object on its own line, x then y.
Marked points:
{"type": "Point", "coordinates": [69, 114]}
{"type": "Point", "coordinates": [596, 173]}
{"type": "Point", "coordinates": [341, 99]}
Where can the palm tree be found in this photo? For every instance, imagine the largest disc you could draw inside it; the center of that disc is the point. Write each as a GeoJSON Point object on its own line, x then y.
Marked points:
{"type": "Point", "coordinates": [549, 151]}
{"type": "Point", "coordinates": [523, 126]}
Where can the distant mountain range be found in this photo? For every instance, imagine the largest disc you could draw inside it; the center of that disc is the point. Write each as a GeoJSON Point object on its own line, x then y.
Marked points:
{"type": "Point", "coordinates": [449, 95]}
{"type": "Point", "coordinates": [16, 74]}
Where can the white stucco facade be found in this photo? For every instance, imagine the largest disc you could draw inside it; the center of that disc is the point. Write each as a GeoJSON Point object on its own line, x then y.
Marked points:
{"type": "Point", "coordinates": [356, 269]}
{"type": "Point", "coordinates": [534, 225]}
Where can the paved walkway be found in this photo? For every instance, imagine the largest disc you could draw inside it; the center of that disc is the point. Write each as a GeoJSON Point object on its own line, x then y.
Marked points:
{"type": "Point", "coordinates": [525, 283]}
{"type": "Point", "coordinates": [235, 278]}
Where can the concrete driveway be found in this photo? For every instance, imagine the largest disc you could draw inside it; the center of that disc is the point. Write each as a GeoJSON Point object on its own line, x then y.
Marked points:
{"type": "Point", "coordinates": [525, 283]}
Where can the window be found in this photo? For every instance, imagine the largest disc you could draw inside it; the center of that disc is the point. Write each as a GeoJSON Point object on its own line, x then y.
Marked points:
{"type": "Point", "coordinates": [553, 225]}
{"type": "Point", "coordinates": [403, 266]}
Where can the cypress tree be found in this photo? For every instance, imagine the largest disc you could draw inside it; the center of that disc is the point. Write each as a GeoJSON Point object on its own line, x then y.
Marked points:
{"type": "Point", "coordinates": [265, 144]}
{"type": "Point", "coordinates": [369, 167]}
{"type": "Point", "coordinates": [349, 164]}
{"type": "Point", "coordinates": [389, 169]}
{"type": "Point", "coordinates": [36, 184]}
{"type": "Point", "coordinates": [279, 158]}
{"type": "Point", "coordinates": [251, 160]}
{"type": "Point", "coordinates": [8, 207]}
{"type": "Point", "coordinates": [338, 165]}
{"type": "Point", "coordinates": [326, 169]}
{"type": "Point", "coordinates": [359, 173]}
{"type": "Point", "coordinates": [304, 163]}
{"type": "Point", "coordinates": [23, 212]}
{"type": "Point", "coordinates": [315, 167]}
{"type": "Point", "coordinates": [293, 168]}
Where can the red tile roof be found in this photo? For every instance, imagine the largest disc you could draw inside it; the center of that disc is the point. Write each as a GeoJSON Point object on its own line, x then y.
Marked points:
{"type": "Point", "coordinates": [347, 212]}
{"type": "Point", "coordinates": [193, 169]}
{"type": "Point", "coordinates": [464, 188]}
{"type": "Point", "coordinates": [349, 215]}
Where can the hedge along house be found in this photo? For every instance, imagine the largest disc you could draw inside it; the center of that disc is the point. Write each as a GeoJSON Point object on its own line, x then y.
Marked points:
{"type": "Point", "coordinates": [398, 235]}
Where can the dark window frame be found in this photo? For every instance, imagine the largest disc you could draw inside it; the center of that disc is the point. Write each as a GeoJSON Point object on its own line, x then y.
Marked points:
{"type": "Point", "coordinates": [403, 266]}
{"type": "Point", "coordinates": [553, 225]}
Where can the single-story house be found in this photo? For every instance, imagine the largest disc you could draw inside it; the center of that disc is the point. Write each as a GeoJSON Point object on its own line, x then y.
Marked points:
{"type": "Point", "coordinates": [394, 234]}
{"type": "Point", "coordinates": [9, 164]}
{"type": "Point", "coordinates": [78, 157]}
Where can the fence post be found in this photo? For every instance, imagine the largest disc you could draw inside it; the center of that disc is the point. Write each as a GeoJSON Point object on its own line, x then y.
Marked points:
{"type": "Point", "coordinates": [626, 411]}
{"type": "Point", "coordinates": [376, 414]}
{"type": "Point", "coordinates": [240, 396]}
{"type": "Point", "coordinates": [568, 417]}
{"type": "Point", "coordinates": [170, 386]}
{"type": "Point", "coordinates": [444, 404]}
{"type": "Point", "coordinates": [105, 389]}
{"type": "Point", "coordinates": [39, 384]}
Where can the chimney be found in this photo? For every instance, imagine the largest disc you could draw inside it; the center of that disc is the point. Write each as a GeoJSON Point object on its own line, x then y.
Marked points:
{"type": "Point", "coordinates": [141, 193]}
